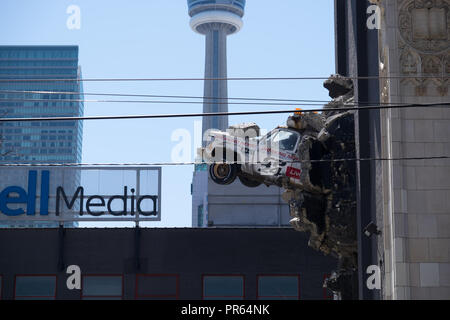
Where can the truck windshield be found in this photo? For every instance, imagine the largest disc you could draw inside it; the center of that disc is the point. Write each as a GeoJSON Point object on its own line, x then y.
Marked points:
{"type": "Point", "coordinates": [284, 139]}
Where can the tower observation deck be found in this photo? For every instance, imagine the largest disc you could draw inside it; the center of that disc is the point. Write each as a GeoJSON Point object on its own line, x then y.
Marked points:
{"type": "Point", "coordinates": [216, 19]}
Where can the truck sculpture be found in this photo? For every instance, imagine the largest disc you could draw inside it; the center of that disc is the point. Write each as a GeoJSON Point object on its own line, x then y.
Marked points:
{"type": "Point", "coordinates": [313, 159]}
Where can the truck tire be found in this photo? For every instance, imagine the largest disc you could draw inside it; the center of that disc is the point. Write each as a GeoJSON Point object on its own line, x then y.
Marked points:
{"type": "Point", "coordinates": [223, 173]}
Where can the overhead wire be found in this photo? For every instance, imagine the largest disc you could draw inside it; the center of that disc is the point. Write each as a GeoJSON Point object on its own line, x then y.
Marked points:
{"type": "Point", "coordinates": [158, 96]}
{"type": "Point", "coordinates": [187, 115]}
{"type": "Point", "coordinates": [304, 102]}
{"type": "Point", "coordinates": [228, 100]}
{"type": "Point", "coordinates": [6, 79]}
{"type": "Point", "coordinates": [375, 106]}
{"type": "Point", "coordinates": [300, 102]}
{"type": "Point", "coordinates": [209, 163]}
{"type": "Point", "coordinates": [157, 101]}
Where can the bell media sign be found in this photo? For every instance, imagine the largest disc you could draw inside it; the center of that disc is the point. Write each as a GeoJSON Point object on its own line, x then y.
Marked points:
{"type": "Point", "coordinates": [37, 197]}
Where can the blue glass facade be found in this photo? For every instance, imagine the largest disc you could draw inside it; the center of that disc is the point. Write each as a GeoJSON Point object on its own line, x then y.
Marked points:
{"type": "Point", "coordinates": [46, 141]}
{"type": "Point", "coordinates": [40, 142]}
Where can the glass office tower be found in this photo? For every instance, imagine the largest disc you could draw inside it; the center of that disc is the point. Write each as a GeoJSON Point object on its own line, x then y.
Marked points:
{"type": "Point", "coordinates": [45, 142]}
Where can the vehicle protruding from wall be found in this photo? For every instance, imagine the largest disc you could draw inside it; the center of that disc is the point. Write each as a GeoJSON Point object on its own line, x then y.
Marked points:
{"type": "Point", "coordinates": [313, 159]}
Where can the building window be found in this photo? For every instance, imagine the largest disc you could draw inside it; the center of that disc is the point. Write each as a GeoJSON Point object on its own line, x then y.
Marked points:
{"type": "Point", "coordinates": [278, 287]}
{"type": "Point", "coordinates": [102, 287]}
{"type": "Point", "coordinates": [157, 286]}
{"type": "Point", "coordinates": [35, 287]}
{"type": "Point", "coordinates": [223, 287]}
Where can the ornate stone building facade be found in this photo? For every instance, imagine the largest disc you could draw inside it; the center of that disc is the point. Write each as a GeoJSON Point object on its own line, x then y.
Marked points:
{"type": "Point", "coordinates": [414, 53]}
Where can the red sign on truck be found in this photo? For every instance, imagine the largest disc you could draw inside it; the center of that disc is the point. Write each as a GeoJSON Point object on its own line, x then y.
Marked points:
{"type": "Point", "coordinates": [293, 172]}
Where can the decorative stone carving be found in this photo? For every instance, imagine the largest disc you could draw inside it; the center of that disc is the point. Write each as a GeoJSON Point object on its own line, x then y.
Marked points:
{"type": "Point", "coordinates": [424, 44]}
{"type": "Point", "coordinates": [421, 90]}
{"type": "Point", "coordinates": [409, 62]}
{"type": "Point", "coordinates": [447, 64]}
{"type": "Point", "coordinates": [425, 24]}
{"type": "Point", "coordinates": [443, 89]}
{"type": "Point", "coordinates": [431, 65]}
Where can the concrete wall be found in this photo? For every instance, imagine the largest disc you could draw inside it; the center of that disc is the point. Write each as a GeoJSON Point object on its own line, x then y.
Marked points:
{"type": "Point", "coordinates": [238, 205]}
{"type": "Point", "coordinates": [189, 253]}
{"type": "Point", "coordinates": [416, 192]}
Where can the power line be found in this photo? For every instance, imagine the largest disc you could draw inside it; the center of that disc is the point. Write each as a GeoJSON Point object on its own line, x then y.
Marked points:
{"type": "Point", "coordinates": [206, 79]}
{"type": "Point", "coordinates": [303, 101]}
{"type": "Point", "coordinates": [188, 115]}
{"type": "Point", "coordinates": [158, 101]}
{"type": "Point", "coordinates": [159, 96]}
{"type": "Point", "coordinates": [209, 163]}
{"type": "Point", "coordinates": [299, 104]}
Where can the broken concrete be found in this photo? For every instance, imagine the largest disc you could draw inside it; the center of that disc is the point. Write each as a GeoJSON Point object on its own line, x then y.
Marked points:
{"type": "Point", "coordinates": [317, 172]}
{"type": "Point", "coordinates": [326, 206]}
{"type": "Point", "coordinates": [249, 130]}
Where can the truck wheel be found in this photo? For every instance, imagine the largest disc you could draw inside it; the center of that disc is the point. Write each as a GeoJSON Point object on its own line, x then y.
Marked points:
{"type": "Point", "coordinates": [223, 173]}
{"type": "Point", "coordinates": [248, 182]}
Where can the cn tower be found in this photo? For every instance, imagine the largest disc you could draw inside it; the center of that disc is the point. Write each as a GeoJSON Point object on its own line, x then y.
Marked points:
{"type": "Point", "coordinates": [216, 19]}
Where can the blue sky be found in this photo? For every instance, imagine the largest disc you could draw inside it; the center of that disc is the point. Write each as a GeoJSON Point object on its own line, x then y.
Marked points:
{"type": "Point", "coordinates": [152, 39]}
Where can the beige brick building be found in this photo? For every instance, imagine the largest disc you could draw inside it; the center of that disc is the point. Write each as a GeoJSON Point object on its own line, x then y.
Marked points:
{"type": "Point", "coordinates": [414, 44]}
